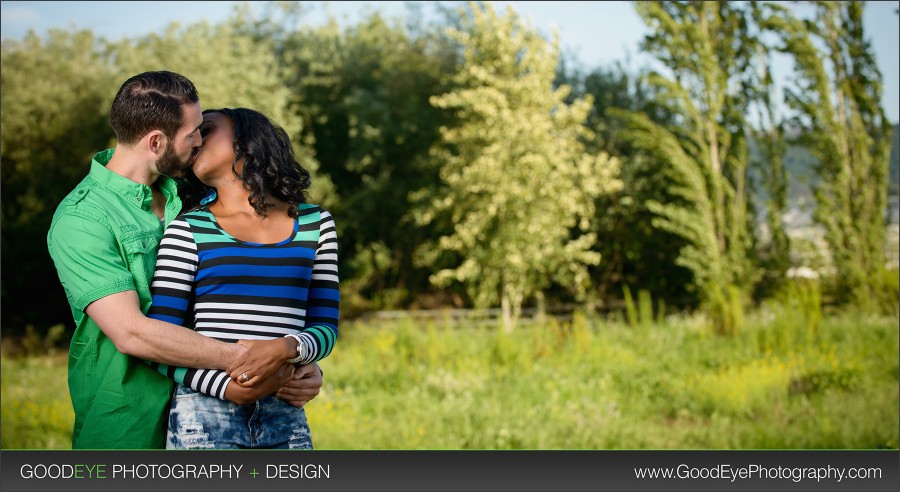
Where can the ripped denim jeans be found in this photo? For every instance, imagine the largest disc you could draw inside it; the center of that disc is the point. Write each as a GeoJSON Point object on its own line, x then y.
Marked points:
{"type": "Point", "coordinates": [199, 421]}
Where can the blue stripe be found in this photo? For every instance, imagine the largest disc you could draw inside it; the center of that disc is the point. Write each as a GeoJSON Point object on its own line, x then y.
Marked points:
{"type": "Point", "coordinates": [294, 252]}
{"type": "Point", "coordinates": [170, 302]}
{"type": "Point", "coordinates": [254, 271]}
{"type": "Point", "coordinates": [254, 290]}
{"type": "Point", "coordinates": [327, 294]}
{"type": "Point", "coordinates": [163, 317]}
{"type": "Point", "coordinates": [322, 312]}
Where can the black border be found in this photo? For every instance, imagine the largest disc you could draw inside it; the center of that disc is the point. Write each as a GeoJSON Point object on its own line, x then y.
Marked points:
{"type": "Point", "coordinates": [447, 470]}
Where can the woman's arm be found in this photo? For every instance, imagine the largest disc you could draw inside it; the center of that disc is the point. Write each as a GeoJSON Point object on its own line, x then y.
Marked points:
{"type": "Point", "coordinates": [173, 291]}
{"type": "Point", "coordinates": [322, 312]}
{"type": "Point", "coordinates": [323, 309]}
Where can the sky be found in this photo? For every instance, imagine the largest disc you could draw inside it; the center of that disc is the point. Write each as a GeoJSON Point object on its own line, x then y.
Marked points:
{"type": "Point", "coordinates": [594, 33]}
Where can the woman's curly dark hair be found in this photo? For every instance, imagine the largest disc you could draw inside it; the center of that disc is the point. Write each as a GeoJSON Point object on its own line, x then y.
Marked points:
{"type": "Point", "coordinates": [270, 168]}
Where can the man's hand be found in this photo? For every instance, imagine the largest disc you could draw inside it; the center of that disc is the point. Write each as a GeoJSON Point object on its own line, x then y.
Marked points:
{"type": "Point", "coordinates": [261, 359]}
{"type": "Point", "coordinates": [303, 387]}
{"type": "Point", "coordinates": [243, 395]}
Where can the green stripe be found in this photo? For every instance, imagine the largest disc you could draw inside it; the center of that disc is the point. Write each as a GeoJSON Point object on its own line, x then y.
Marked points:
{"type": "Point", "coordinates": [323, 342]}
{"type": "Point", "coordinates": [195, 221]}
{"type": "Point", "coordinates": [210, 238]}
{"type": "Point", "coordinates": [179, 374]}
{"type": "Point", "coordinates": [328, 334]}
{"type": "Point", "coordinates": [309, 219]}
{"type": "Point", "coordinates": [307, 236]}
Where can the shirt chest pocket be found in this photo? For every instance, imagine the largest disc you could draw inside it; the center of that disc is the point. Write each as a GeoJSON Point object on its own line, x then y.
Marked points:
{"type": "Point", "coordinates": [140, 254]}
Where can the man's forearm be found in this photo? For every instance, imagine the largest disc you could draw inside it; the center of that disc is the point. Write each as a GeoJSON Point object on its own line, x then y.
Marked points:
{"type": "Point", "coordinates": [178, 346]}
{"type": "Point", "coordinates": [120, 319]}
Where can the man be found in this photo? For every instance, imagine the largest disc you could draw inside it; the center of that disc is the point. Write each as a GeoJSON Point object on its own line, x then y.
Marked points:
{"type": "Point", "coordinates": [103, 241]}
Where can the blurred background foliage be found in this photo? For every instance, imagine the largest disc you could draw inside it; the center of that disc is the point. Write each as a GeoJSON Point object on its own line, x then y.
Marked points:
{"type": "Point", "coordinates": [633, 257]}
{"type": "Point", "coordinates": [469, 164]}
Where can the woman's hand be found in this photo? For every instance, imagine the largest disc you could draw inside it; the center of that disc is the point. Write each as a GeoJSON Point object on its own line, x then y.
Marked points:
{"type": "Point", "coordinates": [244, 395]}
{"type": "Point", "coordinates": [261, 359]}
{"type": "Point", "coordinates": [303, 387]}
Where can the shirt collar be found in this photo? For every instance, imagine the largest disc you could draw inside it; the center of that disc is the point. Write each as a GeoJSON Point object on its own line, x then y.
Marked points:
{"type": "Point", "coordinates": [132, 192]}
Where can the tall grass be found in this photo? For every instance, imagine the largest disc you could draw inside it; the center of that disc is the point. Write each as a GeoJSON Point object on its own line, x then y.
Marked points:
{"type": "Point", "coordinates": [36, 409]}
{"type": "Point", "coordinates": [593, 384]}
{"type": "Point", "coordinates": [584, 384]}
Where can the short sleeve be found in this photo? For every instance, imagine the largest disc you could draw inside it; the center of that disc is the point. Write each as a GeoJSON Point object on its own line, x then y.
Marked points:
{"type": "Point", "coordinates": [89, 265]}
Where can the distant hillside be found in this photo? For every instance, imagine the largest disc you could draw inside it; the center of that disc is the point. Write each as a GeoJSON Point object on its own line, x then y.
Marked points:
{"type": "Point", "coordinates": [799, 164]}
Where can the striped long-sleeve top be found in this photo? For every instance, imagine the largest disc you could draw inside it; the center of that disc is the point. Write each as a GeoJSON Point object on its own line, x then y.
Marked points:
{"type": "Point", "coordinates": [230, 289]}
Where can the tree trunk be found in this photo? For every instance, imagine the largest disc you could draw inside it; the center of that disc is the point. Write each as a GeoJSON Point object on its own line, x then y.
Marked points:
{"type": "Point", "coordinates": [506, 309]}
{"type": "Point", "coordinates": [540, 311]}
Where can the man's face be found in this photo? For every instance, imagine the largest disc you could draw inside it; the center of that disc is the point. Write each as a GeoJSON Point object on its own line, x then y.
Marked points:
{"type": "Point", "coordinates": [183, 147]}
{"type": "Point", "coordinates": [170, 163]}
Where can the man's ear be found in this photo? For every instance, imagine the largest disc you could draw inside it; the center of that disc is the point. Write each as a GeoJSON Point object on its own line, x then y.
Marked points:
{"type": "Point", "coordinates": [156, 142]}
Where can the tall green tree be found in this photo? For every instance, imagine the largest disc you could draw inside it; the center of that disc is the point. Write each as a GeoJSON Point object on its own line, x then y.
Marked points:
{"type": "Point", "coordinates": [837, 94]}
{"type": "Point", "coordinates": [633, 252]}
{"type": "Point", "coordinates": [708, 51]}
{"type": "Point", "coordinates": [769, 148]}
{"type": "Point", "coordinates": [363, 92]}
{"type": "Point", "coordinates": [520, 187]}
{"type": "Point", "coordinates": [231, 68]}
{"type": "Point", "coordinates": [56, 91]}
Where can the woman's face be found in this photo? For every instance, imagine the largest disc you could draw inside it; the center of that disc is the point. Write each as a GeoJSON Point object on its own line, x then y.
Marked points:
{"type": "Point", "coordinates": [217, 152]}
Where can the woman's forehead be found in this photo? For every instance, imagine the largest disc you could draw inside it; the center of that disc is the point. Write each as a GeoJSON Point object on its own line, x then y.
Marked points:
{"type": "Point", "coordinates": [215, 116]}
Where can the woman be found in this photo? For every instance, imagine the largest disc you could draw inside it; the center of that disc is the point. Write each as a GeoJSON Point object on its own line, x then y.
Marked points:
{"type": "Point", "coordinates": [252, 261]}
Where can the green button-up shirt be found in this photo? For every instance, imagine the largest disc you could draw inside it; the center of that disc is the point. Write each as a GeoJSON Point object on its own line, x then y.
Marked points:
{"type": "Point", "coordinates": [103, 240]}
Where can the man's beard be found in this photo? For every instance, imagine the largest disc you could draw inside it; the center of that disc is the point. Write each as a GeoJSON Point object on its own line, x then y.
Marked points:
{"type": "Point", "coordinates": [169, 164]}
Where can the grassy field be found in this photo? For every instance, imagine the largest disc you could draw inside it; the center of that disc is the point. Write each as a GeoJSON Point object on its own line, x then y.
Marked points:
{"type": "Point", "coordinates": [782, 382]}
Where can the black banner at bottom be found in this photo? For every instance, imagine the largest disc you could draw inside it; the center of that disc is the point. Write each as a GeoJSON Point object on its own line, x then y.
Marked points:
{"type": "Point", "coordinates": [223, 471]}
